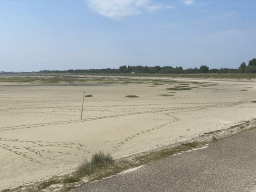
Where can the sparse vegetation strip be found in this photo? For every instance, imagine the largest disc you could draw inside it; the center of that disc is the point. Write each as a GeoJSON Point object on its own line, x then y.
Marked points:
{"type": "Point", "coordinates": [179, 88]}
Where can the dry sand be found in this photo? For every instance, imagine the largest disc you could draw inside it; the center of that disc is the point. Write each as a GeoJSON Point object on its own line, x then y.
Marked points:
{"type": "Point", "coordinates": [42, 135]}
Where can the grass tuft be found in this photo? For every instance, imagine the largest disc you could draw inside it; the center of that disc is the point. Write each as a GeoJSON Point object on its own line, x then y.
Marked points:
{"type": "Point", "coordinates": [99, 160]}
{"type": "Point", "coordinates": [190, 145]}
{"type": "Point", "coordinates": [88, 96]}
{"type": "Point", "coordinates": [46, 184]}
{"type": "Point", "coordinates": [71, 179]}
{"type": "Point", "coordinates": [214, 139]}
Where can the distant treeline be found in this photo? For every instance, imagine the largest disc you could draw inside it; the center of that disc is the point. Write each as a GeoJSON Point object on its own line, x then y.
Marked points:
{"type": "Point", "coordinates": [250, 68]}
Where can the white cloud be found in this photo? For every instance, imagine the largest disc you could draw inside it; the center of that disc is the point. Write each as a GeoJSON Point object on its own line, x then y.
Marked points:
{"type": "Point", "coordinates": [168, 7]}
{"type": "Point", "coordinates": [226, 15]}
{"type": "Point", "coordinates": [117, 9]}
{"type": "Point", "coordinates": [164, 26]}
{"type": "Point", "coordinates": [189, 2]}
{"type": "Point", "coordinates": [154, 7]}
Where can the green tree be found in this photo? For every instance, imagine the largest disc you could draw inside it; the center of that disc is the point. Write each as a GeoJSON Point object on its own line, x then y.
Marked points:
{"type": "Point", "coordinates": [190, 70]}
{"type": "Point", "coordinates": [203, 69]}
{"type": "Point", "coordinates": [139, 68]}
{"type": "Point", "coordinates": [242, 67]}
{"type": "Point", "coordinates": [213, 70]}
{"type": "Point", "coordinates": [252, 62]}
{"type": "Point", "coordinates": [179, 70]}
{"type": "Point", "coordinates": [146, 69]}
{"type": "Point", "coordinates": [122, 68]}
{"type": "Point", "coordinates": [129, 69]}
{"type": "Point", "coordinates": [250, 69]}
{"type": "Point", "coordinates": [157, 68]}
{"type": "Point", "coordinates": [167, 69]}
{"type": "Point", "coordinates": [152, 70]}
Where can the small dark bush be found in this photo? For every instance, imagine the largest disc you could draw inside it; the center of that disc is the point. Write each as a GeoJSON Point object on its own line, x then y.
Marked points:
{"type": "Point", "coordinates": [131, 96]}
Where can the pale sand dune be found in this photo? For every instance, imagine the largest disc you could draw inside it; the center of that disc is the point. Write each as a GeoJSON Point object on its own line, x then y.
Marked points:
{"type": "Point", "coordinates": [42, 135]}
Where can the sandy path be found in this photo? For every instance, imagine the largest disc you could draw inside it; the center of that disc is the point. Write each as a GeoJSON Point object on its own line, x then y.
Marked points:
{"type": "Point", "coordinates": [41, 133]}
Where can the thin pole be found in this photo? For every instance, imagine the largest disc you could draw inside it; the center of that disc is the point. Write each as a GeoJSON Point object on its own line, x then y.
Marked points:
{"type": "Point", "coordinates": [82, 106]}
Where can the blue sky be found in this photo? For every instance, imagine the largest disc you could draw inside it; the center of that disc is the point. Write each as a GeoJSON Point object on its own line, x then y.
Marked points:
{"type": "Point", "coordinates": [90, 34]}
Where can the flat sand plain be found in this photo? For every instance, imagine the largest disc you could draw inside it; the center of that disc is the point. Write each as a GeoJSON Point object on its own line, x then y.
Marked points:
{"type": "Point", "coordinates": [42, 133]}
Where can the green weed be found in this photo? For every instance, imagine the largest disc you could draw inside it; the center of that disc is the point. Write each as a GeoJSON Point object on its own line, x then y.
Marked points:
{"type": "Point", "coordinates": [71, 179]}
{"type": "Point", "coordinates": [166, 95]}
{"type": "Point", "coordinates": [131, 96]}
{"type": "Point", "coordinates": [46, 184]}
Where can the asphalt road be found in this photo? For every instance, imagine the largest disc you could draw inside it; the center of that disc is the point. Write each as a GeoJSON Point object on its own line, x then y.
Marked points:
{"type": "Point", "coordinates": [226, 165]}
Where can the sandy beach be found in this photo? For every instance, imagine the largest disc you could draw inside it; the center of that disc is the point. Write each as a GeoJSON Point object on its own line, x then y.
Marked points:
{"type": "Point", "coordinates": [42, 133]}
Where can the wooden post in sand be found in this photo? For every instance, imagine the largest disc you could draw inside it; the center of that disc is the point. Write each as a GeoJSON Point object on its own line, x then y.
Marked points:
{"type": "Point", "coordinates": [82, 107]}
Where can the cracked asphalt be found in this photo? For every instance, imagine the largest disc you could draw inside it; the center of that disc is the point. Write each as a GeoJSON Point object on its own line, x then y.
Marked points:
{"type": "Point", "coordinates": [225, 165]}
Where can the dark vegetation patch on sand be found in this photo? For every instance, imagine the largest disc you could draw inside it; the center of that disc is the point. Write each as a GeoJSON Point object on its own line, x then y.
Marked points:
{"type": "Point", "coordinates": [131, 96]}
